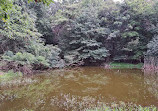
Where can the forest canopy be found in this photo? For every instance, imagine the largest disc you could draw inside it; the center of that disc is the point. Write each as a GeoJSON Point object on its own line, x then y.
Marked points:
{"type": "Point", "coordinates": [46, 33]}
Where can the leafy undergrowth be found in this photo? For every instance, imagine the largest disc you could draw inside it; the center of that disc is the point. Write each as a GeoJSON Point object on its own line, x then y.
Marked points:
{"type": "Point", "coordinates": [125, 65]}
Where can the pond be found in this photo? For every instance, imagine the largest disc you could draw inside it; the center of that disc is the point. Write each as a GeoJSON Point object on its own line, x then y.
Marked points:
{"type": "Point", "coordinates": [79, 89]}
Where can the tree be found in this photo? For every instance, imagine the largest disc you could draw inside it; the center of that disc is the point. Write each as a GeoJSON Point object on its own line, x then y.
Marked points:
{"type": "Point", "coordinates": [130, 30]}
{"type": "Point", "coordinates": [6, 5]}
{"type": "Point", "coordinates": [19, 29]}
{"type": "Point", "coordinates": [83, 37]}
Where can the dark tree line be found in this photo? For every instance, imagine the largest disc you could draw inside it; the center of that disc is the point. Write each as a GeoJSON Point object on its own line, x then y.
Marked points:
{"type": "Point", "coordinates": [79, 32]}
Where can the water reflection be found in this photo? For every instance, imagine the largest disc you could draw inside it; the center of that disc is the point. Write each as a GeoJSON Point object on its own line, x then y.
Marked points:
{"type": "Point", "coordinates": [79, 88]}
{"type": "Point", "coordinates": [151, 80]}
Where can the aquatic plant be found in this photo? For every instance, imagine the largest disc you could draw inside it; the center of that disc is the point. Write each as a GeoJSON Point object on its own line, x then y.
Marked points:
{"type": "Point", "coordinates": [17, 82]}
{"type": "Point", "coordinates": [88, 103]}
{"type": "Point", "coordinates": [132, 108]}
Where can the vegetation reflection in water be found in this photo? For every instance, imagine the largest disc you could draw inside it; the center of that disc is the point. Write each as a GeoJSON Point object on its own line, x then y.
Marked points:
{"type": "Point", "coordinates": [80, 89]}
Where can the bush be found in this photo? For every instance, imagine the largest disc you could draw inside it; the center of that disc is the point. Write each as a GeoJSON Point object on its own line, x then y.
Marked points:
{"type": "Point", "coordinates": [25, 62]}
{"type": "Point", "coordinates": [51, 58]}
{"type": "Point", "coordinates": [37, 48]}
{"type": "Point", "coordinates": [26, 58]}
{"type": "Point", "coordinates": [50, 52]}
{"type": "Point", "coordinates": [55, 59]}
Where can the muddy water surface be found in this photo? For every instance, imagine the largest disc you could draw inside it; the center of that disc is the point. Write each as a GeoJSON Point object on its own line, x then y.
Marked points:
{"type": "Point", "coordinates": [78, 89]}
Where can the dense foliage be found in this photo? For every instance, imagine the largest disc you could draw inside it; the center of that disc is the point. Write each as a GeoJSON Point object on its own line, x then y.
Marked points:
{"type": "Point", "coordinates": [78, 32]}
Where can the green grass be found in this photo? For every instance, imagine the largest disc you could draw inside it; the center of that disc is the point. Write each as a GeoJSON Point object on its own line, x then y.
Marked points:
{"type": "Point", "coordinates": [115, 65]}
{"type": "Point", "coordinates": [9, 75]}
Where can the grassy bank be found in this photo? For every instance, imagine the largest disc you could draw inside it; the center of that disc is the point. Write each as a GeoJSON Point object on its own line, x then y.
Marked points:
{"type": "Point", "coordinates": [116, 65]}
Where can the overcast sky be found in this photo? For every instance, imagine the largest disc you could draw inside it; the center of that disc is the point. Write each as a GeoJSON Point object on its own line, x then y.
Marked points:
{"type": "Point", "coordinates": [113, 0]}
{"type": "Point", "coordinates": [118, 0]}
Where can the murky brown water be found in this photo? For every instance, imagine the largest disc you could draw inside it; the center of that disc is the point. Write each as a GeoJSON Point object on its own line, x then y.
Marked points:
{"type": "Point", "coordinates": [79, 88]}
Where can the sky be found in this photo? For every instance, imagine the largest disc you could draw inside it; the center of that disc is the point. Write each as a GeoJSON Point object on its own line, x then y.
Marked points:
{"type": "Point", "coordinates": [113, 0]}
{"type": "Point", "coordinates": [117, 0]}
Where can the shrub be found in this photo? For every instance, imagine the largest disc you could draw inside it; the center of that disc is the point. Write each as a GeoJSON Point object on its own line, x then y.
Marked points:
{"type": "Point", "coordinates": [26, 58]}
{"type": "Point", "coordinates": [51, 59]}
{"type": "Point", "coordinates": [55, 59]}
{"type": "Point", "coordinates": [50, 52]}
{"type": "Point", "coordinates": [37, 48]}
{"type": "Point", "coordinates": [25, 62]}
